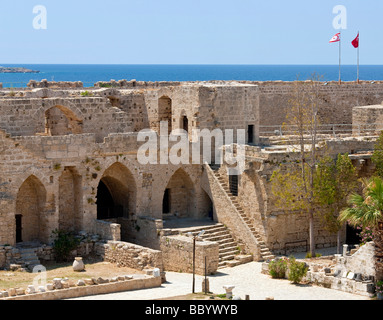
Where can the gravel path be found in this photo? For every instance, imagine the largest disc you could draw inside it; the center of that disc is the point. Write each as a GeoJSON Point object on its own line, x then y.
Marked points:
{"type": "Point", "coordinates": [247, 279]}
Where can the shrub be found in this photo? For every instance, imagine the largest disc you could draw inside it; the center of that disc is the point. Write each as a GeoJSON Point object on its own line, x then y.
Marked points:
{"type": "Point", "coordinates": [64, 243]}
{"type": "Point", "coordinates": [297, 270]}
{"type": "Point", "coordinates": [86, 94]}
{"type": "Point", "coordinates": [379, 287]}
{"type": "Point", "coordinates": [278, 268]}
{"type": "Point", "coordinates": [366, 234]}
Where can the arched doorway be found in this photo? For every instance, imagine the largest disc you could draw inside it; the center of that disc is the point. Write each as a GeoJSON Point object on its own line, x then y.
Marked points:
{"type": "Point", "coordinates": [206, 209]}
{"type": "Point", "coordinates": [352, 235]}
{"type": "Point", "coordinates": [165, 111]}
{"type": "Point", "coordinates": [185, 123]}
{"type": "Point", "coordinates": [30, 203]}
{"type": "Point", "coordinates": [116, 193]}
{"type": "Point", "coordinates": [179, 196]}
{"type": "Point", "coordinates": [61, 121]}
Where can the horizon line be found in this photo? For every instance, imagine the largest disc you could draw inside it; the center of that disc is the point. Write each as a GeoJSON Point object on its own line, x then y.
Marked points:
{"type": "Point", "coordinates": [186, 64]}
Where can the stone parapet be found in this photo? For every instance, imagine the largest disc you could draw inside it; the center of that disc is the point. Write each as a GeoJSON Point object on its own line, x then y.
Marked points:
{"type": "Point", "coordinates": [89, 290]}
{"type": "Point", "coordinates": [53, 84]}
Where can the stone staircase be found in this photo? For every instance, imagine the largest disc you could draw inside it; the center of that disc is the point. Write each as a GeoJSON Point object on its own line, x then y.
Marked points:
{"type": "Point", "coordinates": [264, 250]}
{"type": "Point", "coordinates": [229, 253]}
{"type": "Point", "coordinates": [28, 258]}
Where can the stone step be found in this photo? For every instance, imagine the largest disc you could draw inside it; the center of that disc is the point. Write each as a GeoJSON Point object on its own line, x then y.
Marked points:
{"type": "Point", "coordinates": [227, 257]}
{"type": "Point", "coordinates": [244, 258]}
{"type": "Point", "coordinates": [27, 255]}
{"type": "Point", "coordinates": [29, 258]}
{"type": "Point", "coordinates": [214, 233]}
{"type": "Point", "coordinates": [268, 257]}
{"type": "Point", "coordinates": [218, 237]}
{"type": "Point", "coordinates": [228, 254]}
{"type": "Point", "coordinates": [265, 252]}
{"type": "Point", "coordinates": [32, 263]}
{"type": "Point", "coordinates": [225, 241]}
{"type": "Point", "coordinates": [229, 248]}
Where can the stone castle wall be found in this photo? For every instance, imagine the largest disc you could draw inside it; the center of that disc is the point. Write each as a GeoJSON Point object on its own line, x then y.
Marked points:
{"type": "Point", "coordinates": [337, 101]}
{"type": "Point", "coordinates": [46, 171]}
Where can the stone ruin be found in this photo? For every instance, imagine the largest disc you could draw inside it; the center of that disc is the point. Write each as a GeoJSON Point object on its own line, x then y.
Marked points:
{"type": "Point", "coordinates": [69, 162]}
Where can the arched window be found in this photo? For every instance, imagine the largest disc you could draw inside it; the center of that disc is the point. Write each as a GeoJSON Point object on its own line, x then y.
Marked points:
{"type": "Point", "coordinates": [61, 121]}
{"type": "Point", "coordinates": [165, 111]}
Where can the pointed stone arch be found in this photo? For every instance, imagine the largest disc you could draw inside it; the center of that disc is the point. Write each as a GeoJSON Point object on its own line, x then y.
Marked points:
{"type": "Point", "coordinates": [184, 121]}
{"type": "Point", "coordinates": [179, 196]}
{"type": "Point", "coordinates": [60, 120]}
{"type": "Point", "coordinates": [30, 205]}
{"type": "Point", "coordinates": [165, 111]}
{"type": "Point", "coordinates": [116, 193]}
{"type": "Point", "coordinates": [206, 206]}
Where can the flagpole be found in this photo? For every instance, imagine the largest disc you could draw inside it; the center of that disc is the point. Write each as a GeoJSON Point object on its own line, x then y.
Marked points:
{"type": "Point", "coordinates": [340, 59]}
{"type": "Point", "coordinates": [358, 55]}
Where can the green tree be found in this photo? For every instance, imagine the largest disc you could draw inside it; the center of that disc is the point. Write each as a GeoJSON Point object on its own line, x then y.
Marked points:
{"type": "Point", "coordinates": [294, 188]}
{"type": "Point", "coordinates": [366, 210]}
{"type": "Point", "coordinates": [334, 182]}
{"type": "Point", "coordinates": [377, 156]}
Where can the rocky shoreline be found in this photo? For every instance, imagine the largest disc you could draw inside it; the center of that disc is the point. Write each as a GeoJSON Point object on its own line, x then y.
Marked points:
{"type": "Point", "coordinates": [16, 70]}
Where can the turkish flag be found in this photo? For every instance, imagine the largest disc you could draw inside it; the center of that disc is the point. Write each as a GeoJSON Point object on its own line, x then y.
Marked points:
{"type": "Point", "coordinates": [355, 42]}
{"type": "Point", "coordinates": [335, 38]}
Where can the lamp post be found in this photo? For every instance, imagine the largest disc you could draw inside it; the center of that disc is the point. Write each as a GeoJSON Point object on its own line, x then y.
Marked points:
{"type": "Point", "coordinates": [194, 241]}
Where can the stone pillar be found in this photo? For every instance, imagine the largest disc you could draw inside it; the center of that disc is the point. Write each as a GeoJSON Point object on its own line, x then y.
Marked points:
{"type": "Point", "coordinates": [205, 286]}
{"type": "Point", "coordinates": [345, 247]}
{"type": "Point", "coordinates": [229, 291]}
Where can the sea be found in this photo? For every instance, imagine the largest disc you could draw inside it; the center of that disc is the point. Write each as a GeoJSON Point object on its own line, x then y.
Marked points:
{"type": "Point", "coordinates": [89, 74]}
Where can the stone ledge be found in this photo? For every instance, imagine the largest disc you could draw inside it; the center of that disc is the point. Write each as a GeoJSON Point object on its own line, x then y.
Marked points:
{"type": "Point", "coordinates": [128, 285]}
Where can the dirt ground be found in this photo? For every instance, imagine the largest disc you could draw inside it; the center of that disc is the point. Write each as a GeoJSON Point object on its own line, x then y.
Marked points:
{"type": "Point", "coordinates": [93, 268]}
{"type": "Point", "coordinates": [197, 296]}
{"type": "Point", "coordinates": [322, 262]}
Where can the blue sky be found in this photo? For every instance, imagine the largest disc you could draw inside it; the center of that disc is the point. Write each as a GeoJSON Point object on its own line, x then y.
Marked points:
{"type": "Point", "coordinates": [189, 32]}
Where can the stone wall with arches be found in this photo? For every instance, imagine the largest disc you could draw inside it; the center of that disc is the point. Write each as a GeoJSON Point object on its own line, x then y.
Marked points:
{"type": "Point", "coordinates": [61, 116]}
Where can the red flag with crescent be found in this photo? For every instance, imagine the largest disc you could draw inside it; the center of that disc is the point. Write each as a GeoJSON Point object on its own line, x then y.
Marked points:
{"type": "Point", "coordinates": [355, 42]}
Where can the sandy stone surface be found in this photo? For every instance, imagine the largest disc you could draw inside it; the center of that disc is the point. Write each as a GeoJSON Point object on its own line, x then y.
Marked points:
{"type": "Point", "coordinates": [247, 279]}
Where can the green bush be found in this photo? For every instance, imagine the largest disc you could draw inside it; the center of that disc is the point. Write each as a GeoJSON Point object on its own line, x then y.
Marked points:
{"type": "Point", "coordinates": [86, 94]}
{"type": "Point", "coordinates": [278, 268]}
{"type": "Point", "coordinates": [297, 270]}
{"type": "Point", "coordinates": [63, 244]}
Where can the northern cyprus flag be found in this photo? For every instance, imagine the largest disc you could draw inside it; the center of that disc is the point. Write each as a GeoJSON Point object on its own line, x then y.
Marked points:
{"type": "Point", "coordinates": [335, 38]}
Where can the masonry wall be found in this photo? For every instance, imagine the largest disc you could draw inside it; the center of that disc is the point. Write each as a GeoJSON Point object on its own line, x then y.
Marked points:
{"type": "Point", "coordinates": [368, 118]}
{"type": "Point", "coordinates": [64, 171]}
{"type": "Point", "coordinates": [229, 107]}
{"type": "Point", "coordinates": [61, 176]}
{"type": "Point", "coordinates": [184, 101]}
{"type": "Point", "coordinates": [284, 229]}
{"type": "Point", "coordinates": [177, 254]}
{"type": "Point", "coordinates": [337, 100]}
{"type": "Point", "coordinates": [130, 255]}
{"type": "Point", "coordinates": [27, 117]}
